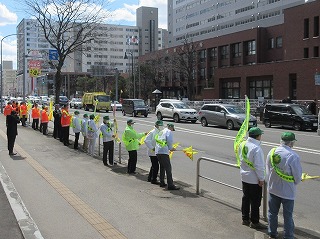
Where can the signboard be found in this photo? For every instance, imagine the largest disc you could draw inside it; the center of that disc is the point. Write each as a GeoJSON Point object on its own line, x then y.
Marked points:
{"type": "Point", "coordinates": [53, 55]}
{"type": "Point", "coordinates": [317, 79]}
{"type": "Point", "coordinates": [34, 68]}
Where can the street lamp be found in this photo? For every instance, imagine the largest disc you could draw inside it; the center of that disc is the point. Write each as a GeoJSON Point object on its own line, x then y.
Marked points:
{"type": "Point", "coordinates": [134, 80]}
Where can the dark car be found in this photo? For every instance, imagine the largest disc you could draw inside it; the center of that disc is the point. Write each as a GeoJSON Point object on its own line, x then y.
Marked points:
{"type": "Point", "coordinates": [294, 116]}
{"type": "Point", "coordinates": [135, 107]}
{"type": "Point", "coordinates": [63, 100]}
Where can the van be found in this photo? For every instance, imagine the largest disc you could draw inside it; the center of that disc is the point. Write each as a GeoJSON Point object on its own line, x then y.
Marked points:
{"type": "Point", "coordinates": [98, 100]}
{"type": "Point", "coordinates": [294, 116]}
{"type": "Point", "coordinates": [135, 107]}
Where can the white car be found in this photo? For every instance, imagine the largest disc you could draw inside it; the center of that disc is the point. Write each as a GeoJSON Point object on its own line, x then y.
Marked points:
{"type": "Point", "coordinates": [176, 110]}
{"type": "Point", "coordinates": [76, 103]}
{"type": "Point", "coordinates": [118, 105]}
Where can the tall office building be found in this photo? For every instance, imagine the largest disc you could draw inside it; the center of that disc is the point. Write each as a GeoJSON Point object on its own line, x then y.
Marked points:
{"type": "Point", "coordinates": [9, 79]}
{"type": "Point", "coordinates": [203, 19]}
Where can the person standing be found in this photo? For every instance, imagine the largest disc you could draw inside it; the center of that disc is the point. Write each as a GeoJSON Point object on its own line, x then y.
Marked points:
{"type": "Point", "coordinates": [131, 140]}
{"type": "Point", "coordinates": [283, 174]}
{"type": "Point", "coordinates": [24, 113]}
{"type": "Point", "coordinates": [7, 110]}
{"type": "Point", "coordinates": [35, 114]}
{"type": "Point", "coordinates": [76, 126]}
{"type": "Point", "coordinates": [84, 131]}
{"type": "Point", "coordinates": [57, 122]}
{"type": "Point", "coordinates": [151, 144]}
{"type": "Point", "coordinates": [44, 120]}
{"type": "Point", "coordinates": [164, 144]}
{"type": "Point", "coordinates": [92, 135]}
{"type": "Point", "coordinates": [65, 125]}
{"type": "Point", "coordinates": [252, 168]}
{"type": "Point", "coordinates": [108, 141]}
{"type": "Point", "coordinates": [11, 122]}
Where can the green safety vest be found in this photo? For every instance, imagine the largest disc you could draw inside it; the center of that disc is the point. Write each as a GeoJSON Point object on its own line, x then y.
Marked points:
{"type": "Point", "coordinates": [244, 152]}
{"type": "Point", "coordinates": [160, 142]}
{"type": "Point", "coordinates": [280, 173]}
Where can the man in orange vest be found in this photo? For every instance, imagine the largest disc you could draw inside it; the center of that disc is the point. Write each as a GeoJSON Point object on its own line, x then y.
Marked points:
{"type": "Point", "coordinates": [24, 112]}
{"type": "Point", "coordinates": [65, 125]}
{"type": "Point", "coordinates": [7, 109]}
{"type": "Point", "coordinates": [44, 120]}
{"type": "Point", "coordinates": [35, 114]}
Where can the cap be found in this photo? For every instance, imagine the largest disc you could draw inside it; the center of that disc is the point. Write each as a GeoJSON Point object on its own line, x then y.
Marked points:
{"type": "Point", "coordinates": [288, 136]}
{"type": "Point", "coordinates": [106, 117]}
{"type": "Point", "coordinates": [130, 121]}
{"type": "Point", "coordinates": [172, 126]}
{"type": "Point", "coordinates": [85, 116]}
{"type": "Point", "coordinates": [76, 112]}
{"type": "Point", "coordinates": [92, 116]}
{"type": "Point", "coordinates": [159, 122]}
{"type": "Point", "coordinates": [255, 131]}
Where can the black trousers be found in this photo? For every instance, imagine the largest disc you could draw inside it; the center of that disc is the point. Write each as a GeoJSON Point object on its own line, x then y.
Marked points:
{"type": "Point", "coordinates": [57, 129]}
{"type": "Point", "coordinates": [35, 124]}
{"type": "Point", "coordinates": [252, 194]}
{"type": "Point", "coordinates": [11, 139]}
{"type": "Point", "coordinates": [165, 168]}
{"type": "Point", "coordinates": [76, 140]}
{"type": "Point", "coordinates": [65, 135]}
{"type": "Point", "coordinates": [23, 120]}
{"type": "Point", "coordinates": [44, 128]}
{"type": "Point", "coordinates": [153, 173]}
{"type": "Point", "coordinates": [108, 149]}
{"type": "Point", "coordinates": [132, 162]}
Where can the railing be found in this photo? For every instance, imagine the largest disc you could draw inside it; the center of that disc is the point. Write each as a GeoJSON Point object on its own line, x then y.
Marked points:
{"type": "Point", "coordinates": [264, 204]}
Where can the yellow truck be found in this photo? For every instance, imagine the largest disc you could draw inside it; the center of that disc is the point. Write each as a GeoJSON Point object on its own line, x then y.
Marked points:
{"type": "Point", "coordinates": [101, 99]}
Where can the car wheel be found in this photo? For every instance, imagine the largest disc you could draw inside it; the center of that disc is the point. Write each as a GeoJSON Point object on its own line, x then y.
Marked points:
{"type": "Point", "coordinates": [159, 116]}
{"type": "Point", "coordinates": [204, 122]}
{"type": "Point", "coordinates": [134, 114]}
{"type": "Point", "coordinates": [230, 124]}
{"type": "Point", "coordinates": [176, 118]}
{"type": "Point", "coordinates": [86, 108]}
{"type": "Point", "coordinates": [123, 113]}
{"type": "Point", "coordinates": [297, 126]}
{"type": "Point", "coordinates": [146, 115]}
{"type": "Point", "coordinates": [193, 121]}
{"type": "Point", "coordinates": [267, 123]}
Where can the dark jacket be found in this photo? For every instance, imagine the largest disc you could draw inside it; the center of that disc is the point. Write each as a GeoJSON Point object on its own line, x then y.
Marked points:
{"type": "Point", "coordinates": [12, 121]}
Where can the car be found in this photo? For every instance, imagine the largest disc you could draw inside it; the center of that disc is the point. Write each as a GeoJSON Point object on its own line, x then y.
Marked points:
{"type": "Point", "coordinates": [76, 103]}
{"type": "Point", "coordinates": [118, 105]}
{"type": "Point", "coordinates": [63, 100]}
{"type": "Point", "coordinates": [176, 110]}
{"type": "Point", "coordinates": [226, 115]}
{"type": "Point", "coordinates": [294, 116]}
{"type": "Point", "coordinates": [135, 107]}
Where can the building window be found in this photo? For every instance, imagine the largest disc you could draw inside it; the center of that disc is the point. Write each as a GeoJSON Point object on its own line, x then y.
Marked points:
{"type": "Point", "coordinates": [224, 52]}
{"type": "Point", "coordinates": [231, 90]}
{"type": "Point", "coordinates": [316, 51]}
{"type": "Point", "coordinates": [251, 48]}
{"type": "Point", "coordinates": [306, 28]}
{"type": "Point", "coordinates": [306, 52]}
{"type": "Point", "coordinates": [202, 55]}
{"type": "Point", "coordinates": [260, 88]}
{"type": "Point", "coordinates": [316, 26]}
{"type": "Point", "coordinates": [279, 42]}
{"type": "Point", "coordinates": [214, 53]}
{"type": "Point", "coordinates": [236, 50]}
{"type": "Point", "coordinates": [271, 43]}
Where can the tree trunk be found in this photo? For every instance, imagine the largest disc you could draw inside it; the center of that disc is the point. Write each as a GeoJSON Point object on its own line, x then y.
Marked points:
{"type": "Point", "coordinates": [57, 85]}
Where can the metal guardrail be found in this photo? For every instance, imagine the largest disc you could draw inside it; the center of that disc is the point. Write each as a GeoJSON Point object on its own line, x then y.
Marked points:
{"type": "Point", "coordinates": [264, 196]}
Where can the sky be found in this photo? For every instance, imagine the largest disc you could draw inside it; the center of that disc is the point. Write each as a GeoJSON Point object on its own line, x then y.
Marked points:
{"type": "Point", "coordinates": [123, 13]}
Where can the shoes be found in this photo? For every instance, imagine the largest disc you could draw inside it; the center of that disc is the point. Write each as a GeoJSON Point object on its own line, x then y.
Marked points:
{"type": "Point", "coordinates": [173, 187]}
{"type": "Point", "coordinates": [149, 179]}
{"type": "Point", "coordinates": [258, 226]}
{"type": "Point", "coordinates": [114, 163]}
{"type": "Point", "coordinates": [163, 185]}
{"type": "Point", "coordinates": [155, 182]}
{"type": "Point", "coordinates": [272, 237]}
{"type": "Point", "coordinates": [246, 222]}
{"type": "Point", "coordinates": [132, 173]}
{"type": "Point", "coordinates": [12, 154]}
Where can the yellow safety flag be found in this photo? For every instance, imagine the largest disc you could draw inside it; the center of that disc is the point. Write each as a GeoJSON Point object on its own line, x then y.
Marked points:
{"type": "Point", "coordinates": [95, 106]}
{"type": "Point", "coordinates": [51, 110]}
{"type": "Point", "coordinates": [97, 118]}
{"type": "Point", "coordinates": [173, 146]}
{"type": "Point", "coordinates": [189, 152]}
{"type": "Point", "coordinates": [306, 176]}
{"type": "Point", "coordinates": [29, 105]}
{"type": "Point", "coordinates": [242, 131]}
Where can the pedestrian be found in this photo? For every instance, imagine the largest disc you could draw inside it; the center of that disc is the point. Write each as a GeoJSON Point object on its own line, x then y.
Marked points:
{"type": "Point", "coordinates": [164, 144]}
{"type": "Point", "coordinates": [283, 174]}
{"type": "Point", "coordinates": [44, 120]}
{"type": "Point", "coordinates": [131, 140]}
{"type": "Point", "coordinates": [11, 122]}
{"type": "Point", "coordinates": [84, 131]}
{"type": "Point", "coordinates": [35, 114]}
{"type": "Point", "coordinates": [65, 125]}
{"type": "Point", "coordinates": [92, 135]}
{"type": "Point", "coordinates": [252, 168]}
{"type": "Point", "coordinates": [76, 126]}
{"type": "Point", "coordinates": [57, 122]}
{"type": "Point", "coordinates": [24, 113]}
{"type": "Point", "coordinates": [313, 107]}
{"type": "Point", "coordinates": [108, 141]}
{"type": "Point", "coordinates": [151, 144]}
{"type": "Point", "coordinates": [7, 109]}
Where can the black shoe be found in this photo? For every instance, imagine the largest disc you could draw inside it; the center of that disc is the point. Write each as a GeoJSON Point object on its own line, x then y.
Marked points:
{"type": "Point", "coordinates": [258, 226]}
{"type": "Point", "coordinates": [246, 222]}
{"type": "Point", "coordinates": [149, 179]}
{"type": "Point", "coordinates": [12, 154]}
{"type": "Point", "coordinates": [114, 163]}
{"type": "Point", "coordinates": [173, 187]}
{"type": "Point", "coordinates": [155, 182]}
{"type": "Point", "coordinates": [132, 173]}
{"type": "Point", "coordinates": [163, 185]}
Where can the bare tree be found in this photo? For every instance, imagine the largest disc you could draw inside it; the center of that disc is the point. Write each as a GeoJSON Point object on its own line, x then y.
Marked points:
{"type": "Point", "coordinates": [67, 25]}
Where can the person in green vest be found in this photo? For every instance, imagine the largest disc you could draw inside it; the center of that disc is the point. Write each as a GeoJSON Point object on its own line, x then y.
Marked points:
{"type": "Point", "coordinates": [131, 140]}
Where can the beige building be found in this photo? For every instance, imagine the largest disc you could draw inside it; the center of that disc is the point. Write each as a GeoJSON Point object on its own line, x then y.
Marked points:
{"type": "Point", "coordinates": [9, 79]}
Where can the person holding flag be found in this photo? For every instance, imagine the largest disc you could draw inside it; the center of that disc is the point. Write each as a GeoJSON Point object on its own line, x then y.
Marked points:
{"type": "Point", "coordinates": [57, 122]}
{"type": "Point", "coordinates": [76, 126]}
{"type": "Point", "coordinates": [84, 131]}
{"type": "Point", "coordinates": [44, 120]}
{"type": "Point", "coordinates": [35, 114]}
{"type": "Point", "coordinates": [92, 135]}
{"type": "Point", "coordinates": [65, 125]}
{"type": "Point", "coordinates": [108, 141]}
{"type": "Point", "coordinates": [24, 113]}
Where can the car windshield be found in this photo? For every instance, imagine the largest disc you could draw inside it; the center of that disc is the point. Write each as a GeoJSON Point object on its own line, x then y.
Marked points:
{"type": "Point", "coordinates": [103, 98]}
{"type": "Point", "coordinates": [180, 106]}
{"type": "Point", "coordinates": [77, 100]}
{"type": "Point", "coordinates": [235, 110]}
{"type": "Point", "coordinates": [63, 98]}
{"type": "Point", "coordinates": [301, 110]}
{"type": "Point", "coordinates": [139, 103]}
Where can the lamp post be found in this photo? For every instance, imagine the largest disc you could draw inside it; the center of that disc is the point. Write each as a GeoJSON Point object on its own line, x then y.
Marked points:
{"type": "Point", "coordinates": [134, 81]}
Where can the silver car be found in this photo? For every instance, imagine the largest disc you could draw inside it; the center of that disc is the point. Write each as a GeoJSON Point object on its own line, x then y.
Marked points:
{"type": "Point", "coordinates": [227, 115]}
{"type": "Point", "coordinates": [176, 110]}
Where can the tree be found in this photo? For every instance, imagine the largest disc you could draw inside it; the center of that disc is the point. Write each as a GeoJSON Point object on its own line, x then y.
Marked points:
{"type": "Point", "coordinates": [67, 25]}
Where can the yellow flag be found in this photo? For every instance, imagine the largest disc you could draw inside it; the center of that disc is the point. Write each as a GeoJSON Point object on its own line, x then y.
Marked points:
{"type": "Point", "coordinates": [97, 118]}
{"type": "Point", "coordinates": [50, 110]}
{"type": "Point", "coordinates": [306, 176]}
{"type": "Point", "coordinates": [189, 152]}
{"type": "Point", "coordinates": [173, 146]}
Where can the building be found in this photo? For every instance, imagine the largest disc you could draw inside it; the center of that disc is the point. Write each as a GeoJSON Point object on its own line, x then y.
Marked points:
{"type": "Point", "coordinates": [162, 39]}
{"type": "Point", "coordinates": [9, 79]}
{"type": "Point", "coordinates": [203, 19]}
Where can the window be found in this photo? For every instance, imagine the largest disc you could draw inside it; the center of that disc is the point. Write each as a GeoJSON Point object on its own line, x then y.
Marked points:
{"type": "Point", "coordinates": [306, 52]}
{"type": "Point", "coordinates": [251, 48]}
{"type": "Point", "coordinates": [260, 88]}
{"type": "Point", "coordinates": [224, 52]}
{"type": "Point", "coordinates": [231, 90]}
{"type": "Point", "coordinates": [279, 42]}
{"type": "Point", "coordinates": [306, 28]}
{"type": "Point", "coordinates": [236, 51]}
{"type": "Point", "coordinates": [202, 55]}
{"type": "Point", "coordinates": [214, 53]}
{"type": "Point", "coordinates": [316, 51]}
{"type": "Point", "coordinates": [271, 43]}
{"type": "Point", "coordinates": [316, 26]}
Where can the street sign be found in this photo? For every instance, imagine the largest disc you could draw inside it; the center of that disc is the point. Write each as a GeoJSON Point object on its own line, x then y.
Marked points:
{"type": "Point", "coordinates": [317, 79]}
{"type": "Point", "coordinates": [53, 55]}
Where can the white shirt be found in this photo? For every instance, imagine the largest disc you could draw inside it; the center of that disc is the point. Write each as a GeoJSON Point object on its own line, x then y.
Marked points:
{"type": "Point", "coordinates": [290, 165]}
{"type": "Point", "coordinates": [76, 124]}
{"type": "Point", "coordinates": [92, 130]}
{"type": "Point", "coordinates": [167, 136]}
{"type": "Point", "coordinates": [151, 142]}
{"type": "Point", "coordinates": [255, 155]}
{"type": "Point", "coordinates": [106, 130]}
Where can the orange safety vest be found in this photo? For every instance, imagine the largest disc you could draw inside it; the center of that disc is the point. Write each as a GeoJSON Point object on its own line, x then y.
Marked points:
{"type": "Point", "coordinates": [7, 110]}
{"type": "Point", "coordinates": [65, 118]}
{"type": "Point", "coordinates": [44, 117]}
{"type": "Point", "coordinates": [35, 113]}
{"type": "Point", "coordinates": [24, 110]}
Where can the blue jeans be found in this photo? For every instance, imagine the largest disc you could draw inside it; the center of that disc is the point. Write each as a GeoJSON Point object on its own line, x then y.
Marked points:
{"type": "Point", "coordinates": [274, 206]}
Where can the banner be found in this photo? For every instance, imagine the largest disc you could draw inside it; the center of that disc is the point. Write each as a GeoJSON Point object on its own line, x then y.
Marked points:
{"type": "Point", "coordinates": [34, 67]}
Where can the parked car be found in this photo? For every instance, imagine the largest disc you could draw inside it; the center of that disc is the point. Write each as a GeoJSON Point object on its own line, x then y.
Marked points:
{"type": "Point", "coordinates": [135, 107]}
{"type": "Point", "coordinates": [295, 116]}
{"type": "Point", "coordinates": [176, 110]}
{"type": "Point", "coordinates": [118, 105]}
{"type": "Point", "coordinates": [227, 115]}
{"type": "Point", "coordinates": [63, 100]}
{"type": "Point", "coordinates": [76, 103]}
